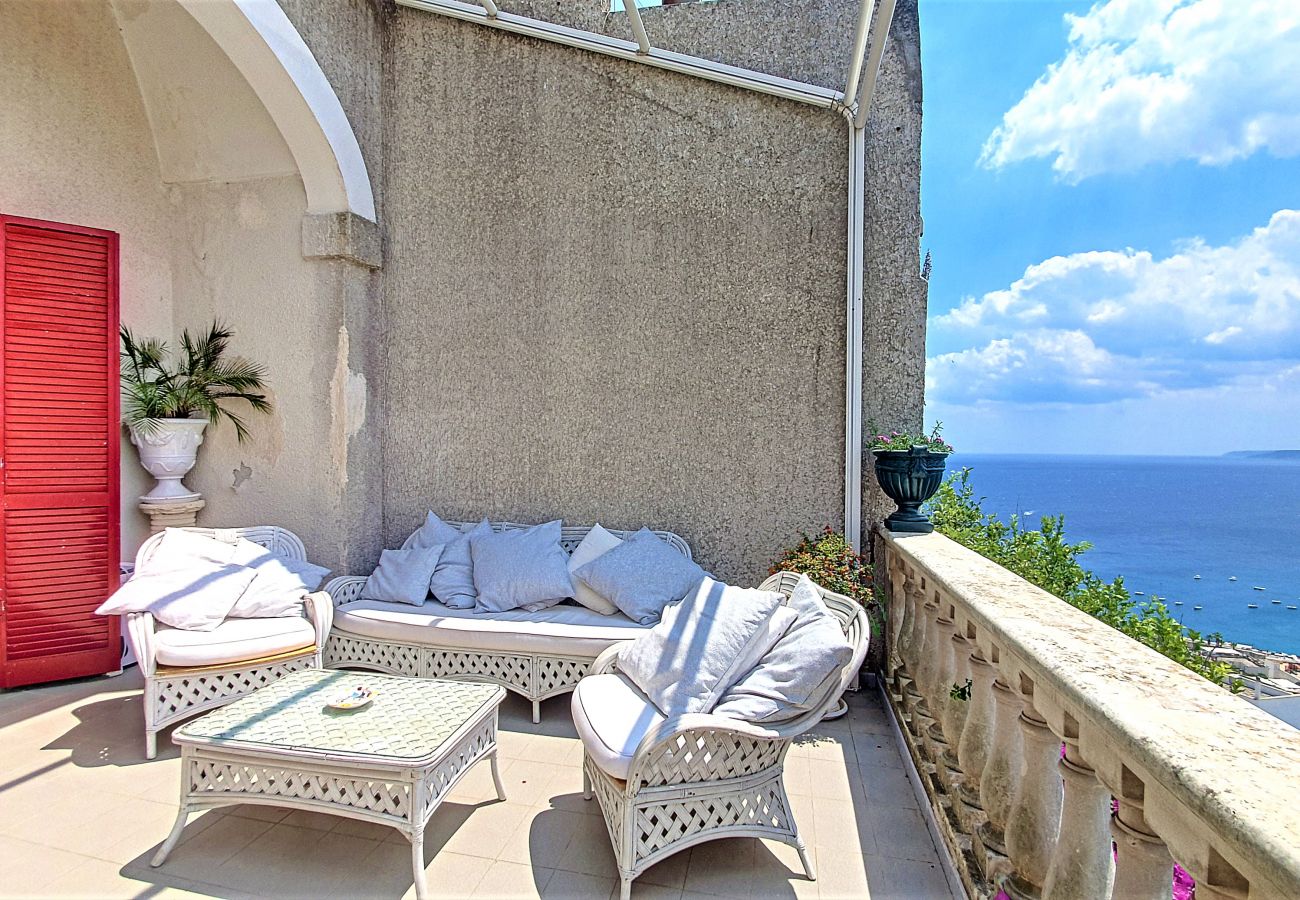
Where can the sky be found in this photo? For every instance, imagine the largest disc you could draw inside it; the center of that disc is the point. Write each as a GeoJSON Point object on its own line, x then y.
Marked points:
{"type": "Point", "coordinates": [1111, 194]}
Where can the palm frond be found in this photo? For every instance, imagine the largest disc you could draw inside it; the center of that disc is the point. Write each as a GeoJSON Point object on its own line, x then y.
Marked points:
{"type": "Point", "coordinates": [199, 384]}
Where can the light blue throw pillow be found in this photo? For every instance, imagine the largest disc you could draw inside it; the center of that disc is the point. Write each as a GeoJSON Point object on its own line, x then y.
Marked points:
{"type": "Point", "coordinates": [641, 576]}
{"type": "Point", "coordinates": [453, 581]}
{"type": "Point", "coordinates": [520, 567]}
{"type": "Point", "coordinates": [434, 531]}
{"type": "Point", "coordinates": [402, 576]}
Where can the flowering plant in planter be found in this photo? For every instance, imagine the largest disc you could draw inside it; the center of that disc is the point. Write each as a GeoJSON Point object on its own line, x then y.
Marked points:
{"type": "Point", "coordinates": [900, 440]}
{"type": "Point", "coordinates": [909, 469]}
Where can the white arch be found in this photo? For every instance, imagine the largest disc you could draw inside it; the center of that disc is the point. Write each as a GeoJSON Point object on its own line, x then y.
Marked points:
{"type": "Point", "coordinates": [277, 63]}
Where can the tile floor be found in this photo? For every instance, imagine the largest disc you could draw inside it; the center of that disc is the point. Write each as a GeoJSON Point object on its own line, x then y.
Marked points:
{"type": "Point", "coordinates": [81, 812]}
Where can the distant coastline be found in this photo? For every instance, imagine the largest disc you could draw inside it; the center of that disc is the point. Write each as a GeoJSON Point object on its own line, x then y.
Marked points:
{"type": "Point", "coordinates": [1263, 454]}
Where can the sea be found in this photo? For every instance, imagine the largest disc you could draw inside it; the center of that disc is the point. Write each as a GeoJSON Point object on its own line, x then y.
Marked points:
{"type": "Point", "coordinates": [1161, 521]}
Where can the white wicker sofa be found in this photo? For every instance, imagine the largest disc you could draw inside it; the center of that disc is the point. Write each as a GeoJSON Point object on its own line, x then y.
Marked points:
{"type": "Point", "coordinates": [535, 654]}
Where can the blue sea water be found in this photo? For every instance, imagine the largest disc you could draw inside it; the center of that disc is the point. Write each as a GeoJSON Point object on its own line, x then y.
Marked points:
{"type": "Point", "coordinates": [1159, 521]}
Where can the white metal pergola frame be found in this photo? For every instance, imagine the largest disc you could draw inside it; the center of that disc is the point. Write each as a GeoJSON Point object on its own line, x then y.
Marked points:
{"type": "Point", "coordinates": [853, 103]}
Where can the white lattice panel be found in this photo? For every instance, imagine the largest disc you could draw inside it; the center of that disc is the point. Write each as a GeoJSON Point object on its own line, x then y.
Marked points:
{"type": "Point", "coordinates": [344, 651]}
{"type": "Point", "coordinates": [708, 755]}
{"type": "Point", "coordinates": [209, 777]}
{"type": "Point", "coordinates": [558, 674]}
{"type": "Point", "coordinates": [506, 669]}
{"type": "Point", "coordinates": [174, 697]}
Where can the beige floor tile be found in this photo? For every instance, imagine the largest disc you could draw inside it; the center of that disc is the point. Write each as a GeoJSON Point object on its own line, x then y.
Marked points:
{"type": "Point", "coordinates": [911, 880]}
{"type": "Point", "coordinates": [841, 824]}
{"type": "Point", "coordinates": [669, 873]}
{"type": "Point", "coordinates": [29, 867]}
{"type": "Point", "coordinates": [831, 778]}
{"type": "Point", "coordinates": [529, 782]}
{"type": "Point", "coordinates": [206, 844]}
{"type": "Point", "coordinates": [96, 878]}
{"type": "Point", "coordinates": [903, 834]}
{"type": "Point", "coordinates": [724, 867]}
{"type": "Point", "coordinates": [589, 849]}
{"type": "Point", "coordinates": [542, 837]}
{"type": "Point", "coordinates": [579, 886]}
{"type": "Point", "coordinates": [259, 811]}
{"type": "Point", "coordinates": [886, 787]}
{"type": "Point", "coordinates": [487, 829]}
{"type": "Point", "coordinates": [509, 880]}
{"type": "Point", "coordinates": [842, 875]}
{"type": "Point", "coordinates": [642, 890]}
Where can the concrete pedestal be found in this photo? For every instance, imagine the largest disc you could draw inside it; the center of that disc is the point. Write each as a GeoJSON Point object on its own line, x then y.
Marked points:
{"type": "Point", "coordinates": [171, 514]}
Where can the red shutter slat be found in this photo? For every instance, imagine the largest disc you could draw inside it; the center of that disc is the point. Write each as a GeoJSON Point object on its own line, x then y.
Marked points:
{"type": "Point", "coordinates": [59, 440]}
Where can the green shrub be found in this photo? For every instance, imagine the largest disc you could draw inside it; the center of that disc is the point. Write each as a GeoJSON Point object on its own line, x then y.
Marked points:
{"type": "Point", "coordinates": [1045, 558]}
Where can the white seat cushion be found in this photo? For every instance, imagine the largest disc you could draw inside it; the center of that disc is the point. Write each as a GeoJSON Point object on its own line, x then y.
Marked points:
{"type": "Point", "coordinates": [234, 640]}
{"type": "Point", "coordinates": [612, 717]}
{"type": "Point", "coordinates": [560, 630]}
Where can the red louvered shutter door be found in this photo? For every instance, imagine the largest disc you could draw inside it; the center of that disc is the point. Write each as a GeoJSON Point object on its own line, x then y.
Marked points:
{"type": "Point", "coordinates": [58, 451]}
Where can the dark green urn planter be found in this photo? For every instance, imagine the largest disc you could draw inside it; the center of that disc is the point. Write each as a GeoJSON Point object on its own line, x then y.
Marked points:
{"type": "Point", "coordinates": [909, 478]}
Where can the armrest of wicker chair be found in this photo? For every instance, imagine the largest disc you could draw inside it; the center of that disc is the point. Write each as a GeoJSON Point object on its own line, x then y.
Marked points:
{"type": "Point", "coordinates": [139, 631]}
{"type": "Point", "coordinates": [345, 588]}
{"type": "Point", "coordinates": [320, 609]}
{"type": "Point", "coordinates": [607, 661]}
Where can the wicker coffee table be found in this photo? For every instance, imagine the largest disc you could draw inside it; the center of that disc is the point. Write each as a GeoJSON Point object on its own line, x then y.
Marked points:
{"type": "Point", "coordinates": [390, 762]}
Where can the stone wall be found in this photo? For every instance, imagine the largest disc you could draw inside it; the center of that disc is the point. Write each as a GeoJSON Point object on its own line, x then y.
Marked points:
{"type": "Point", "coordinates": [614, 293]}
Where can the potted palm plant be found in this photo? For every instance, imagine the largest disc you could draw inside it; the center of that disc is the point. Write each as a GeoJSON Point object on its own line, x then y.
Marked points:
{"type": "Point", "coordinates": [909, 469]}
{"type": "Point", "coordinates": [167, 403]}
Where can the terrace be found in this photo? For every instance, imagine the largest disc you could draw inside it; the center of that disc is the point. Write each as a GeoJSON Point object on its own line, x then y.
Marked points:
{"type": "Point", "coordinates": [82, 812]}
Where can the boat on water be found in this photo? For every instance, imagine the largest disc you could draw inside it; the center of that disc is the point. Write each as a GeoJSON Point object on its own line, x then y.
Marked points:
{"type": "Point", "coordinates": [1252, 606]}
{"type": "Point", "coordinates": [1178, 603]}
{"type": "Point", "coordinates": [1232, 577]}
{"type": "Point", "coordinates": [1196, 578]}
{"type": "Point", "coordinates": [1138, 594]}
{"type": "Point", "coordinates": [1198, 607]}
{"type": "Point", "coordinates": [1277, 602]}
{"type": "Point", "coordinates": [1257, 588]}
{"type": "Point", "coordinates": [1290, 607]}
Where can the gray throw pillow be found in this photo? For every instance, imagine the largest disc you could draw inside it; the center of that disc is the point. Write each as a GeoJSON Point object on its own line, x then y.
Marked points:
{"type": "Point", "coordinates": [402, 576]}
{"type": "Point", "coordinates": [434, 531]}
{"type": "Point", "coordinates": [641, 576]}
{"type": "Point", "coordinates": [703, 645]}
{"type": "Point", "coordinates": [520, 567]}
{"type": "Point", "coordinates": [453, 581]}
{"type": "Point", "coordinates": [797, 672]}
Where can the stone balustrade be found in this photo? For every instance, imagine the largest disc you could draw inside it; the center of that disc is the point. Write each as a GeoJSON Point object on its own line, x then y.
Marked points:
{"type": "Point", "coordinates": [1063, 715]}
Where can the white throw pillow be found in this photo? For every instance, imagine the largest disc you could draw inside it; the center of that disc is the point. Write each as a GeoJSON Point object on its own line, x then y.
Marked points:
{"type": "Point", "coordinates": [798, 671]}
{"type": "Point", "coordinates": [197, 597]}
{"type": "Point", "coordinates": [178, 546]}
{"type": "Point", "coordinates": [598, 541]}
{"type": "Point", "coordinates": [279, 585]}
{"type": "Point", "coordinates": [403, 575]}
{"type": "Point", "coordinates": [703, 644]}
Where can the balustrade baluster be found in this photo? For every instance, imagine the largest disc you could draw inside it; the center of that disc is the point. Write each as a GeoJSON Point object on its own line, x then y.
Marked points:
{"type": "Point", "coordinates": [940, 743]}
{"type": "Point", "coordinates": [1035, 815]}
{"type": "Point", "coordinates": [1143, 867]}
{"type": "Point", "coordinates": [976, 737]}
{"type": "Point", "coordinates": [1083, 866]}
{"type": "Point", "coordinates": [1001, 774]}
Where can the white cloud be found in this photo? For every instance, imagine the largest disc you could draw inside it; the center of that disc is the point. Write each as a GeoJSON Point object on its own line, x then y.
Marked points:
{"type": "Point", "coordinates": [1149, 81]}
{"type": "Point", "coordinates": [1098, 326]}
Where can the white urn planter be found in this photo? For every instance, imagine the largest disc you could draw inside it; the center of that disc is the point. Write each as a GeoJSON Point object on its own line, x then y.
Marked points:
{"type": "Point", "coordinates": [168, 453]}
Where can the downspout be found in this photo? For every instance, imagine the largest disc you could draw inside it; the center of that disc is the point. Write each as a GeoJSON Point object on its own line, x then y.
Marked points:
{"type": "Point", "coordinates": [856, 114]}
{"type": "Point", "coordinates": [854, 110]}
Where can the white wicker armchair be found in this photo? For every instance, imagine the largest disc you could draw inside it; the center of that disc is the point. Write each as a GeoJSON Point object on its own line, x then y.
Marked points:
{"type": "Point", "coordinates": [700, 777]}
{"type": "Point", "coordinates": [174, 692]}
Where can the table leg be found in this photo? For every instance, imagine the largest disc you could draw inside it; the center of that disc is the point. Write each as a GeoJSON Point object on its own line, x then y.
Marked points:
{"type": "Point", "coordinates": [496, 775]}
{"type": "Point", "coordinates": [417, 864]}
{"type": "Point", "coordinates": [170, 844]}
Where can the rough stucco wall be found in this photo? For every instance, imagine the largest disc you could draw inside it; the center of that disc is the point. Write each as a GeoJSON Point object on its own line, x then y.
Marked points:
{"type": "Point", "coordinates": [894, 298]}
{"type": "Point", "coordinates": [599, 307]}
{"type": "Point", "coordinates": [349, 40]}
{"type": "Point", "coordinates": [75, 147]}
{"type": "Point", "coordinates": [238, 260]}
